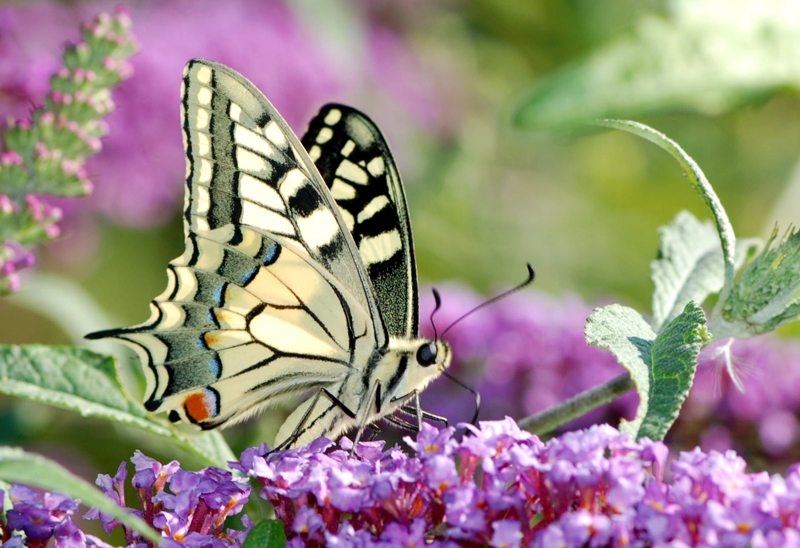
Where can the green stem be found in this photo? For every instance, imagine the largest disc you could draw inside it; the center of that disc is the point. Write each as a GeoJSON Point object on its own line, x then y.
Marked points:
{"type": "Point", "coordinates": [698, 179]}
{"type": "Point", "coordinates": [578, 405]}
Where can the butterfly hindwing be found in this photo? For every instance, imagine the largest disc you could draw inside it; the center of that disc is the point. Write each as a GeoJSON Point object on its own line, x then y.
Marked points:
{"type": "Point", "coordinates": [269, 297]}
{"type": "Point", "coordinates": [355, 162]}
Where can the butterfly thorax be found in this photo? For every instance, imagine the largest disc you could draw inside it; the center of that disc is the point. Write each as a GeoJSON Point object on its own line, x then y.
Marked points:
{"type": "Point", "coordinates": [393, 376]}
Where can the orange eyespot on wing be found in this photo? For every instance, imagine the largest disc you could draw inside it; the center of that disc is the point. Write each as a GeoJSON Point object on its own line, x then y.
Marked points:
{"type": "Point", "coordinates": [201, 406]}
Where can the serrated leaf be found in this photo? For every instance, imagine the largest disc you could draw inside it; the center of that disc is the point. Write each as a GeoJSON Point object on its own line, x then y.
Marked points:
{"type": "Point", "coordinates": [706, 55]}
{"type": "Point", "coordinates": [662, 366]}
{"type": "Point", "coordinates": [689, 265]}
{"type": "Point", "coordinates": [86, 382]}
{"type": "Point", "coordinates": [19, 466]}
{"type": "Point", "coordinates": [767, 294]}
{"type": "Point", "coordinates": [266, 534]}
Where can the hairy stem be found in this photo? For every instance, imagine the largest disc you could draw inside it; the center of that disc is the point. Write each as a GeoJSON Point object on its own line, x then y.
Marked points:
{"type": "Point", "coordinates": [550, 419]}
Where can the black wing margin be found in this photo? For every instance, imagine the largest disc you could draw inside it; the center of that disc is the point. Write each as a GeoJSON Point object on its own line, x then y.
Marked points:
{"type": "Point", "coordinates": [353, 158]}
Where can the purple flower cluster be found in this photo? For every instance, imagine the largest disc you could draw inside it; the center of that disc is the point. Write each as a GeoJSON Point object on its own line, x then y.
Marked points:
{"type": "Point", "coordinates": [45, 155]}
{"type": "Point", "coordinates": [502, 487]}
{"type": "Point", "coordinates": [189, 508]}
{"type": "Point", "coordinates": [41, 517]}
{"type": "Point", "coordinates": [528, 353]}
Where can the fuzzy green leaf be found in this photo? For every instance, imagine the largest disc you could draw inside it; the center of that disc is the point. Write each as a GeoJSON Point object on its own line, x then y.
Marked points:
{"type": "Point", "coordinates": [689, 265]}
{"type": "Point", "coordinates": [768, 293]}
{"type": "Point", "coordinates": [86, 382]}
{"type": "Point", "coordinates": [662, 366]}
{"type": "Point", "coordinates": [18, 466]}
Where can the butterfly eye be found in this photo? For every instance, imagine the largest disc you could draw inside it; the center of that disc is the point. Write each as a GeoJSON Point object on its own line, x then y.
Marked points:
{"type": "Point", "coordinates": [426, 355]}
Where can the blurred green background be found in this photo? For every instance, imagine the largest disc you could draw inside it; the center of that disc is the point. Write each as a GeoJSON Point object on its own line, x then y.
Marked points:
{"type": "Point", "coordinates": [483, 102]}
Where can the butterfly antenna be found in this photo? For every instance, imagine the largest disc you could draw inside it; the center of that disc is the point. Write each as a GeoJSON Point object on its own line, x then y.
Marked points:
{"type": "Point", "coordinates": [474, 393]}
{"type": "Point", "coordinates": [438, 300]}
{"type": "Point", "coordinates": [528, 281]}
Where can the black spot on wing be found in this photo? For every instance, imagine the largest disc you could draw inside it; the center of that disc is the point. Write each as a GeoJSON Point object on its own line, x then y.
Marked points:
{"type": "Point", "coordinates": [332, 248]}
{"type": "Point", "coordinates": [263, 119]}
{"type": "Point", "coordinates": [384, 220]}
{"type": "Point", "coordinates": [305, 201]}
{"type": "Point", "coordinates": [237, 237]}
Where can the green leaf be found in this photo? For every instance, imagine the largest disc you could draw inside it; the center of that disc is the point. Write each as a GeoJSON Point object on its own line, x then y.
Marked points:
{"type": "Point", "coordinates": [71, 378]}
{"type": "Point", "coordinates": [266, 534]}
{"type": "Point", "coordinates": [689, 266]}
{"type": "Point", "coordinates": [86, 382]}
{"type": "Point", "coordinates": [662, 366]}
{"type": "Point", "coordinates": [767, 294]}
{"type": "Point", "coordinates": [706, 56]}
{"type": "Point", "coordinates": [19, 466]}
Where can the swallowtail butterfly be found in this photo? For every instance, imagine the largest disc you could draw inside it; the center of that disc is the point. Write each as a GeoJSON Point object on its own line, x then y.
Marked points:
{"type": "Point", "coordinates": [298, 274]}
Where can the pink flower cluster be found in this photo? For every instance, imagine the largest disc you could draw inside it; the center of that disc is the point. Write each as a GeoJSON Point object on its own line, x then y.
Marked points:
{"type": "Point", "coordinates": [46, 155]}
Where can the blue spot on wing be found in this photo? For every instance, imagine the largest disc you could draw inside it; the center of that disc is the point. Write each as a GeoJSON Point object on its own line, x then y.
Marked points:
{"type": "Point", "coordinates": [270, 253]}
{"type": "Point", "coordinates": [248, 276]}
{"type": "Point", "coordinates": [215, 366]}
{"type": "Point", "coordinates": [219, 293]}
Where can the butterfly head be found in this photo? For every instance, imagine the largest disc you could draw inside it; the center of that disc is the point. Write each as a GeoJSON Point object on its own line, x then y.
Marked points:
{"type": "Point", "coordinates": [434, 355]}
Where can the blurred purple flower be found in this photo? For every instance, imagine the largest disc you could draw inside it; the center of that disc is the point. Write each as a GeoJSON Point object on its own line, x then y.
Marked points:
{"type": "Point", "coordinates": [528, 352]}
{"type": "Point", "coordinates": [138, 178]}
{"type": "Point", "coordinates": [41, 517]}
{"type": "Point", "coordinates": [188, 507]}
{"type": "Point", "coordinates": [594, 487]}
{"type": "Point", "coordinates": [523, 354]}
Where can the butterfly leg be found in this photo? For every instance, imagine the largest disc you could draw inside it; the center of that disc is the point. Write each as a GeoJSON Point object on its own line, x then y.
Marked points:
{"type": "Point", "coordinates": [416, 411]}
{"type": "Point", "coordinates": [401, 423]}
{"type": "Point", "coordinates": [374, 430]}
{"type": "Point", "coordinates": [426, 415]}
{"type": "Point", "coordinates": [374, 393]}
{"type": "Point", "coordinates": [302, 422]}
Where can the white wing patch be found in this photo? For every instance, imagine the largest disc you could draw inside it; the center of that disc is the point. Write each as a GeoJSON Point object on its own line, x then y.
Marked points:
{"type": "Point", "coordinates": [342, 191]}
{"type": "Point", "coordinates": [252, 140]}
{"type": "Point", "coordinates": [292, 182]}
{"type": "Point", "coordinates": [319, 229]}
{"type": "Point", "coordinates": [375, 205]}
{"type": "Point", "coordinates": [381, 247]}
{"type": "Point", "coordinates": [333, 117]}
{"type": "Point", "coordinates": [253, 163]}
{"type": "Point", "coordinates": [265, 219]}
{"type": "Point", "coordinates": [350, 171]}
{"type": "Point", "coordinates": [260, 193]}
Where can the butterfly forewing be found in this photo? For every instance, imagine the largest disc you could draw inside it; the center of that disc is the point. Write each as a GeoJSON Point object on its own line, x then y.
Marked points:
{"type": "Point", "coordinates": [269, 298]}
{"type": "Point", "coordinates": [354, 160]}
